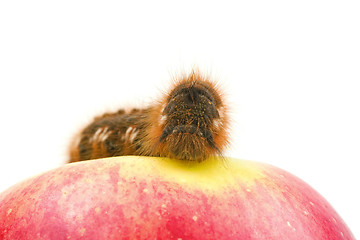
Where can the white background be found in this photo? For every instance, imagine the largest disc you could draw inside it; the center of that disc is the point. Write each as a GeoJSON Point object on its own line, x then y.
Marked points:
{"type": "Point", "coordinates": [291, 70]}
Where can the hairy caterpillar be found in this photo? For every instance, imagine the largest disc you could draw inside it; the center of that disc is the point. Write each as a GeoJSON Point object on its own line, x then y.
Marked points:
{"type": "Point", "coordinates": [190, 122]}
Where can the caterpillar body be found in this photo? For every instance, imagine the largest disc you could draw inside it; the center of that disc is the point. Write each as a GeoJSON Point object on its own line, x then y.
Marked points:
{"type": "Point", "coordinates": [190, 123]}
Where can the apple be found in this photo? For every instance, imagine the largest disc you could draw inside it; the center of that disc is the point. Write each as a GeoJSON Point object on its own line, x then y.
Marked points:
{"type": "Point", "coordinates": [159, 198]}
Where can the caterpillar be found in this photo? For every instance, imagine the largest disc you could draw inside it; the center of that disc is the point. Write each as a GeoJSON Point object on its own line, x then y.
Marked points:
{"type": "Point", "coordinates": [190, 122]}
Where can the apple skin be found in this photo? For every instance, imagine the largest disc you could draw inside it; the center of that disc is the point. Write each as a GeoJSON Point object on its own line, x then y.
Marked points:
{"type": "Point", "coordinates": [159, 198]}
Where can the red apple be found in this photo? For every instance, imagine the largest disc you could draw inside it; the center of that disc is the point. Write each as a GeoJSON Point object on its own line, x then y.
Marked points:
{"type": "Point", "coordinates": [158, 198]}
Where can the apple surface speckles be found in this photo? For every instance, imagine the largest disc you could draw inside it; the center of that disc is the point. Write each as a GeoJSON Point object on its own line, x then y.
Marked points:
{"type": "Point", "coordinates": [159, 198]}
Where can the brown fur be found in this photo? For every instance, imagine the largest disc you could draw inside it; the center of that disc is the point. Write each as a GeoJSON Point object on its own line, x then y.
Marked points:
{"type": "Point", "coordinates": [189, 123]}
